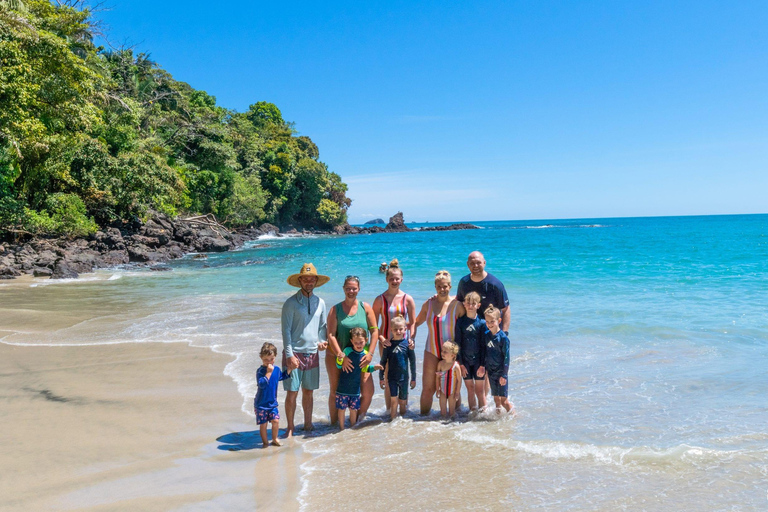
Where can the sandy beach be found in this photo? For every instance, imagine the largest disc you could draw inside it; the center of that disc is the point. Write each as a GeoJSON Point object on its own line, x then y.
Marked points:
{"type": "Point", "coordinates": [131, 427]}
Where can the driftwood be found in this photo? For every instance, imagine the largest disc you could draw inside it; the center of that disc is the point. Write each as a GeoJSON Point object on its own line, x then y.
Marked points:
{"type": "Point", "coordinates": [208, 220]}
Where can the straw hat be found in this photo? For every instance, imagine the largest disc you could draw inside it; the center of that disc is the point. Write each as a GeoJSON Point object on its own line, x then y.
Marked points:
{"type": "Point", "coordinates": [307, 269]}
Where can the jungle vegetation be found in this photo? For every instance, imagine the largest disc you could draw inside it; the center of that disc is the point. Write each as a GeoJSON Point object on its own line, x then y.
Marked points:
{"type": "Point", "coordinates": [91, 136]}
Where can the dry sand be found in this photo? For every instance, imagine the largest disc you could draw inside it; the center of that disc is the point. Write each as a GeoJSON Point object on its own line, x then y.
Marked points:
{"type": "Point", "coordinates": [132, 427]}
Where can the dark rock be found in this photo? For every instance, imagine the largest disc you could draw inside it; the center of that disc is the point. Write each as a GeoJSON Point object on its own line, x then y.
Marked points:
{"type": "Point", "coordinates": [61, 270]}
{"type": "Point", "coordinates": [46, 259]}
{"type": "Point", "coordinates": [375, 221]}
{"type": "Point", "coordinates": [160, 269]}
{"type": "Point", "coordinates": [149, 241]}
{"type": "Point", "coordinates": [210, 244]}
{"type": "Point", "coordinates": [42, 272]}
{"type": "Point", "coordinates": [269, 229]}
{"type": "Point", "coordinates": [141, 253]}
{"type": "Point", "coordinates": [452, 227]}
{"type": "Point", "coordinates": [112, 258]}
{"type": "Point", "coordinates": [200, 257]}
{"type": "Point", "coordinates": [396, 223]}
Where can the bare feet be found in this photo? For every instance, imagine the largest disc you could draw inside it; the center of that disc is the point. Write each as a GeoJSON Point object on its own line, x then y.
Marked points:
{"type": "Point", "coordinates": [264, 445]}
{"type": "Point", "coordinates": [309, 428]}
{"type": "Point", "coordinates": [288, 433]}
{"type": "Point", "coordinates": [275, 442]}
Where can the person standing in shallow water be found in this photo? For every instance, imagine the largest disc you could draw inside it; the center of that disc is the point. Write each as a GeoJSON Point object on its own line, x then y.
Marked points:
{"type": "Point", "coordinates": [304, 331]}
{"type": "Point", "coordinates": [389, 305]}
{"type": "Point", "coordinates": [341, 318]}
{"type": "Point", "coordinates": [440, 313]}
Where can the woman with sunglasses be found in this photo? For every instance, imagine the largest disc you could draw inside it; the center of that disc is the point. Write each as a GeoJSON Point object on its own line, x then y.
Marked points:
{"type": "Point", "coordinates": [342, 317]}
{"type": "Point", "coordinates": [440, 312]}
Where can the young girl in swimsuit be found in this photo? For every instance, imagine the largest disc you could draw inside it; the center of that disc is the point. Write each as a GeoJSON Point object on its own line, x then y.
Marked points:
{"type": "Point", "coordinates": [448, 379]}
{"type": "Point", "coordinates": [389, 305]}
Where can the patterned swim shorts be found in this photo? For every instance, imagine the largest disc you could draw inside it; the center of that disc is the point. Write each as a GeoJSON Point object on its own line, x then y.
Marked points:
{"type": "Point", "coordinates": [344, 401]}
{"type": "Point", "coordinates": [267, 415]}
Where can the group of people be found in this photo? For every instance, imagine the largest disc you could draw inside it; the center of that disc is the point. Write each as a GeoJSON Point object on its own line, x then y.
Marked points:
{"type": "Point", "coordinates": [467, 340]}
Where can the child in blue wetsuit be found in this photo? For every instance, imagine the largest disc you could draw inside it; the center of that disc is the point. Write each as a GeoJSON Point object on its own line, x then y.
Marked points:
{"type": "Point", "coordinates": [265, 403]}
{"type": "Point", "coordinates": [348, 390]}
{"type": "Point", "coordinates": [396, 358]}
{"type": "Point", "coordinates": [497, 358]}
{"type": "Point", "coordinates": [469, 337]}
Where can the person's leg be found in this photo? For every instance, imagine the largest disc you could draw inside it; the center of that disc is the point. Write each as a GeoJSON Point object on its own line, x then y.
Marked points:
{"type": "Point", "coordinates": [479, 391]}
{"type": "Point", "coordinates": [393, 407]}
{"type": "Point", "coordinates": [263, 432]}
{"type": "Point", "coordinates": [428, 382]}
{"type": "Point", "coordinates": [290, 410]}
{"type": "Point", "coordinates": [452, 405]}
{"type": "Point", "coordinates": [443, 405]}
{"type": "Point", "coordinates": [333, 382]}
{"type": "Point", "coordinates": [497, 401]}
{"type": "Point", "coordinates": [403, 407]}
{"type": "Point", "coordinates": [366, 394]}
{"type": "Point", "coordinates": [353, 415]}
{"type": "Point", "coordinates": [275, 431]}
{"type": "Point", "coordinates": [308, 404]}
{"type": "Point", "coordinates": [340, 413]}
{"type": "Point", "coordinates": [387, 394]}
{"type": "Point", "coordinates": [471, 400]}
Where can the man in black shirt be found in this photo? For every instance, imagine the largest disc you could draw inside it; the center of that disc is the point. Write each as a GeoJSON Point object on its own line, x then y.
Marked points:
{"type": "Point", "coordinates": [491, 290]}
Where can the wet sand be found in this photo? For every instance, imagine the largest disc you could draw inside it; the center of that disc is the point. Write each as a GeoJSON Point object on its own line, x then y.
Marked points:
{"type": "Point", "coordinates": [133, 427]}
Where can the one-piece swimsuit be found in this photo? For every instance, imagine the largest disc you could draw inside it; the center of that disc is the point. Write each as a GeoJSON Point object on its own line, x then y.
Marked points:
{"type": "Point", "coordinates": [441, 328]}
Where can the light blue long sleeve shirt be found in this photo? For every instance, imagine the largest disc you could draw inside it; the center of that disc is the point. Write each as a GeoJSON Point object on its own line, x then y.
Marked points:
{"type": "Point", "coordinates": [303, 324]}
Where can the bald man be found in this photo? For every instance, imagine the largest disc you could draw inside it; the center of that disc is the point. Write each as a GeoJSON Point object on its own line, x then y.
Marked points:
{"type": "Point", "coordinates": [491, 290]}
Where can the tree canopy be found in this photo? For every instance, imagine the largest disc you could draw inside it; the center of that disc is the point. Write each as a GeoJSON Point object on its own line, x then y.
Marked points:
{"type": "Point", "coordinates": [92, 136]}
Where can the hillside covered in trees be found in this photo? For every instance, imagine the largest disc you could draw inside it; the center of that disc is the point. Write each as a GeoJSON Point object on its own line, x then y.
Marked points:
{"type": "Point", "coordinates": [90, 137]}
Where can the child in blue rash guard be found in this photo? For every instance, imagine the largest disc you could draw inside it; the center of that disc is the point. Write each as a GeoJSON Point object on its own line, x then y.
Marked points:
{"type": "Point", "coordinates": [469, 337]}
{"type": "Point", "coordinates": [497, 358]}
{"type": "Point", "coordinates": [265, 403]}
{"type": "Point", "coordinates": [348, 390]}
{"type": "Point", "coordinates": [396, 358]}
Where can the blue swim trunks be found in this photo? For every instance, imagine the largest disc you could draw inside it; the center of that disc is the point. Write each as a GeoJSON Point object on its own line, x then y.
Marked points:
{"type": "Point", "coordinates": [496, 388]}
{"type": "Point", "coordinates": [472, 372]}
{"type": "Point", "coordinates": [267, 415]}
{"type": "Point", "coordinates": [347, 401]}
{"type": "Point", "coordinates": [398, 388]}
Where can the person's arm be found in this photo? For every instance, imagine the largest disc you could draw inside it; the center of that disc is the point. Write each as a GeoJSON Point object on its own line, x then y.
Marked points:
{"type": "Point", "coordinates": [437, 385]}
{"type": "Point", "coordinates": [322, 330]}
{"type": "Point", "coordinates": [505, 349]}
{"type": "Point", "coordinates": [378, 315]}
{"type": "Point", "coordinates": [420, 319]}
{"type": "Point", "coordinates": [371, 318]}
{"type": "Point", "coordinates": [384, 359]}
{"type": "Point", "coordinates": [506, 319]}
{"type": "Point", "coordinates": [261, 379]}
{"type": "Point", "coordinates": [481, 344]}
{"type": "Point", "coordinates": [286, 327]}
{"type": "Point", "coordinates": [456, 376]}
{"type": "Point", "coordinates": [284, 375]}
{"type": "Point", "coordinates": [412, 360]}
{"type": "Point", "coordinates": [410, 307]}
{"type": "Point", "coordinates": [458, 338]}
{"type": "Point", "coordinates": [343, 362]}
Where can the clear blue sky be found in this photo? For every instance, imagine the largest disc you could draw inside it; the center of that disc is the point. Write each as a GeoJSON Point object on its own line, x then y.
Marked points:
{"type": "Point", "coordinates": [490, 110]}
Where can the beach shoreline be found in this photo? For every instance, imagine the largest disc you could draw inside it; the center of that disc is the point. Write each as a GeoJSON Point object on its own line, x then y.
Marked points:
{"type": "Point", "coordinates": [132, 427]}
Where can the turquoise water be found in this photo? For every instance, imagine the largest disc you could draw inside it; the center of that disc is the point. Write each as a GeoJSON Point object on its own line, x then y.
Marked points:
{"type": "Point", "coordinates": [639, 372]}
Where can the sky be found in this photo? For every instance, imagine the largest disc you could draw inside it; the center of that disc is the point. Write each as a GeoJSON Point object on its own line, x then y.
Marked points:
{"type": "Point", "coordinates": [493, 110]}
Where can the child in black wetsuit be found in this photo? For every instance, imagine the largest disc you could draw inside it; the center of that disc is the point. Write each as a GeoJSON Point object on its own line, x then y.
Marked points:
{"type": "Point", "coordinates": [469, 337]}
{"type": "Point", "coordinates": [348, 390]}
{"type": "Point", "coordinates": [497, 359]}
{"type": "Point", "coordinates": [396, 358]}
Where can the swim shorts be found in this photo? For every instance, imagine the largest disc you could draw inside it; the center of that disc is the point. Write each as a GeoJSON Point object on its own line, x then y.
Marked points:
{"type": "Point", "coordinates": [472, 372]}
{"type": "Point", "coordinates": [307, 375]}
{"type": "Point", "coordinates": [496, 388]}
{"type": "Point", "coordinates": [347, 401]}
{"type": "Point", "coordinates": [267, 415]}
{"type": "Point", "coordinates": [398, 389]}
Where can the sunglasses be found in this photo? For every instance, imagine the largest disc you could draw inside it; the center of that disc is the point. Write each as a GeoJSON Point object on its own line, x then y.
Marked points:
{"type": "Point", "coordinates": [352, 277]}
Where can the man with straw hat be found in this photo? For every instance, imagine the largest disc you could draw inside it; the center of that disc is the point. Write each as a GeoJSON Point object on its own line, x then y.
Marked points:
{"type": "Point", "coordinates": [304, 333]}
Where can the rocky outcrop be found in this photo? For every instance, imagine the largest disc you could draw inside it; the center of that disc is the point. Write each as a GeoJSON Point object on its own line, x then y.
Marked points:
{"type": "Point", "coordinates": [158, 240]}
{"type": "Point", "coordinates": [396, 224]}
{"type": "Point", "coordinates": [375, 221]}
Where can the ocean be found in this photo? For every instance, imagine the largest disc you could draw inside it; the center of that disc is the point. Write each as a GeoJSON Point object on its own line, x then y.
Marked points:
{"type": "Point", "coordinates": [639, 360]}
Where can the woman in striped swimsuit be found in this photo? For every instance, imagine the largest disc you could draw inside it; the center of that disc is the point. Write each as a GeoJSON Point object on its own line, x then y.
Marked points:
{"type": "Point", "coordinates": [393, 303]}
{"type": "Point", "coordinates": [440, 313]}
